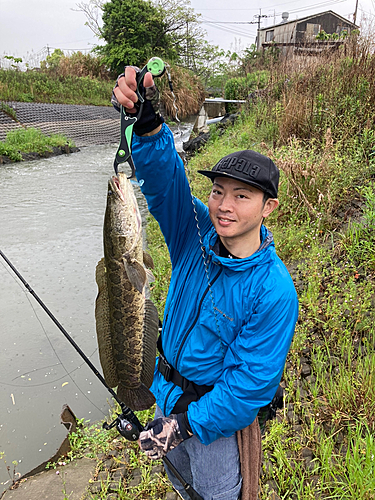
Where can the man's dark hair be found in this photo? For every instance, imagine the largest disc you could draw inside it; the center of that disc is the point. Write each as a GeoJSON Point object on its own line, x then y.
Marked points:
{"type": "Point", "coordinates": [266, 196]}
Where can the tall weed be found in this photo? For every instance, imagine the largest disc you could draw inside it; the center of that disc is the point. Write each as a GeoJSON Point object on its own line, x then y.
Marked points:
{"type": "Point", "coordinates": [359, 240]}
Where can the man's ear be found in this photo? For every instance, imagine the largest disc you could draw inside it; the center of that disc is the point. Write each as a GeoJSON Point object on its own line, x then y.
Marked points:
{"type": "Point", "coordinates": [270, 206]}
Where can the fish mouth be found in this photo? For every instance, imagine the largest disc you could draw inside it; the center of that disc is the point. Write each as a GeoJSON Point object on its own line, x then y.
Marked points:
{"type": "Point", "coordinates": [115, 186]}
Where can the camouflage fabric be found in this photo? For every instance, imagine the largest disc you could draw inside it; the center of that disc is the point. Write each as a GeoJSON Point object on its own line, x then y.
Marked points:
{"type": "Point", "coordinates": [160, 436]}
{"type": "Point", "coordinates": [152, 94]}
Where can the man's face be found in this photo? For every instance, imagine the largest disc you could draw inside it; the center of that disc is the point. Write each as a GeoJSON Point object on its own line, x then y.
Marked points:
{"type": "Point", "coordinates": [237, 210]}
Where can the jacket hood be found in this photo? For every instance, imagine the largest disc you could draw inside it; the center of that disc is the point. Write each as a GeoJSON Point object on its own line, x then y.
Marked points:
{"type": "Point", "coordinates": [262, 256]}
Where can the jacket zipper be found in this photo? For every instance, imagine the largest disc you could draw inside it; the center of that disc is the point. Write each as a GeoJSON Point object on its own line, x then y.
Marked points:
{"type": "Point", "coordinates": [197, 315]}
{"type": "Point", "coordinates": [189, 330]}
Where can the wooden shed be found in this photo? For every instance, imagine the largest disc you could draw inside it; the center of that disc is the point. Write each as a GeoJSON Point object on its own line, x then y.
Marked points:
{"type": "Point", "coordinates": [302, 31]}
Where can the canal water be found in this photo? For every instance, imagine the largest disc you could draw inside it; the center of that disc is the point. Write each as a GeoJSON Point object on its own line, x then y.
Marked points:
{"type": "Point", "coordinates": [51, 219]}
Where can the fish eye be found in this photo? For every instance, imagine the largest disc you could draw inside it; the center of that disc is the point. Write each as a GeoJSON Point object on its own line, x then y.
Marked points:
{"type": "Point", "coordinates": [109, 192]}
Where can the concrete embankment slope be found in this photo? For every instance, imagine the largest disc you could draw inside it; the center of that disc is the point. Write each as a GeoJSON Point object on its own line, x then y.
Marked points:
{"type": "Point", "coordinates": [70, 481]}
{"type": "Point", "coordinates": [85, 125]}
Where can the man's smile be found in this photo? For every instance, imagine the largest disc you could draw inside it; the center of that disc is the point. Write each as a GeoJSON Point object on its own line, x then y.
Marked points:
{"type": "Point", "coordinates": [225, 221]}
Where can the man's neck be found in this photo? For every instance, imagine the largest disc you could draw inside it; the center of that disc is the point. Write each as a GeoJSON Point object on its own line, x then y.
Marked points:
{"type": "Point", "coordinates": [241, 249]}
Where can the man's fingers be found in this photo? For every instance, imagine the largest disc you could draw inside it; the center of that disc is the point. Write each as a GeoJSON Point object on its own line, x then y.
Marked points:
{"type": "Point", "coordinates": [130, 78]}
{"type": "Point", "coordinates": [148, 80]}
{"type": "Point", "coordinates": [124, 93]}
{"type": "Point", "coordinates": [122, 99]}
{"type": "Point", "coordinates": [126, 87]}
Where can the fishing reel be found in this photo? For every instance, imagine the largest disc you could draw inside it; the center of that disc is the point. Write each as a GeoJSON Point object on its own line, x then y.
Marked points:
{"type": "Point", "coordinates": [126, 423]}
{"type": "Point", "coordinates": [128, 430]}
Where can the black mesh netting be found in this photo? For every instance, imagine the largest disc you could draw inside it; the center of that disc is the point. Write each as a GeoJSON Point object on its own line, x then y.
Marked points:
{"type": "Point", "coordinates": [84, 125]}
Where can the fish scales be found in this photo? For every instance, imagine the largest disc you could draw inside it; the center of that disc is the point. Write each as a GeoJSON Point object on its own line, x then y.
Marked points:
{"type": "Point", "coordinates": [126, 321]}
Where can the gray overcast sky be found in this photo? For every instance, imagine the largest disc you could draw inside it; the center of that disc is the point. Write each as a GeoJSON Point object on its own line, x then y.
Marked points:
{"type": "Point", "coordinates": [29, 25]}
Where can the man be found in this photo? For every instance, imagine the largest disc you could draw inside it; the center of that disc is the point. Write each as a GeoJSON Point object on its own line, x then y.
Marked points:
{"type": "Point", "coordinates": [231, 307]}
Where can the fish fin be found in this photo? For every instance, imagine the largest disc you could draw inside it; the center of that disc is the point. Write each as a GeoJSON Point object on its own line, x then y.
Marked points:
{"type": "Point", "coordinates": [103, 331]}
{"type": "Point", "coordinates": [136, 274]}
{"type": "Point", "coordinates": [150, 335]}
{"type": "Point", "coordinates": [137, 399]}
{"type": "Point", "coordinates": [147, 260]}
{"type": "Point", "coordinates": [150, 276]}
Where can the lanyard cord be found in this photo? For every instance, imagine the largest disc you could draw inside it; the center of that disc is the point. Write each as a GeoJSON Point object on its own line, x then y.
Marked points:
{"type": "Point", "coordinates": [205, 257]}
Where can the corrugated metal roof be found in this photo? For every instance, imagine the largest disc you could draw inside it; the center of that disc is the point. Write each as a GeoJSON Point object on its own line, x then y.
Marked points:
{"type": "Point", "coordinates": [310, 17]}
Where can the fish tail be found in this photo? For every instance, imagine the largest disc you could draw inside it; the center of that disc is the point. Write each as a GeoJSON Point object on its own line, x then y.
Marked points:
{"type": "Point", "coordinates": [137, 399]}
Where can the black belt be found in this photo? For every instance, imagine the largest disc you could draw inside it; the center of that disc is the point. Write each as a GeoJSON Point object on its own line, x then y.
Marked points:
{"type": "Point", "coordinates": [192, 391]}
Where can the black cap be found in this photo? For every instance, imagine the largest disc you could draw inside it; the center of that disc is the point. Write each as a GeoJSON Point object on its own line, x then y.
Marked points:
{"type": "Point", "coordinates": [249, 167]}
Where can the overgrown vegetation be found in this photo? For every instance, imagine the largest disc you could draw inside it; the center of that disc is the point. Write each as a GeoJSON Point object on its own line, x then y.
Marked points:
{"type": "Point", "coordinates": [137, 30]}
{"type": "Point", "coordinates": [51, 87]}
{"type": "Point", "coordinates": [240, 87]}
{"type": "Point", "coordinates": [188, 89]}
{"type": "Point", "coordinates": [30, 140]}
{"type": "Point", "coordinates": [83, 79]}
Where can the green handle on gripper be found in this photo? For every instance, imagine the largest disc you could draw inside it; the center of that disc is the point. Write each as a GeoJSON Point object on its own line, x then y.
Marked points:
{"type": "Point", "coordinates": [156, 66]}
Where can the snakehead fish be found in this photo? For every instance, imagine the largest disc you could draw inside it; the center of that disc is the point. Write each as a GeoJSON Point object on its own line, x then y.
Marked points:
{"type": "Point", "coordinates": [126, 319]}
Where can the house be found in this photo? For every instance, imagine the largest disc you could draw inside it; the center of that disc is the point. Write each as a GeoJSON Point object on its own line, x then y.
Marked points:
{"type": "Point", "coordinates": [300, 34]}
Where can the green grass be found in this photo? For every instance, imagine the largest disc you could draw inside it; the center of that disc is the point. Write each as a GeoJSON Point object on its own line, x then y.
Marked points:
{"type": "Point", "coordinates": [30, 140]}
{"type": "Point", "coordinates": [34, 86]}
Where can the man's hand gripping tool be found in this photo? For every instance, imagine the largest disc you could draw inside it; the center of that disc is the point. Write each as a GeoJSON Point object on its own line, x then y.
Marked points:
{"type": "Point", "coordinates": [124, 152]}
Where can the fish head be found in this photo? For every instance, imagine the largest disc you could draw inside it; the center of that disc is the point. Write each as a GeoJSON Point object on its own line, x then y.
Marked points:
{"type": "Point", "coordinates": [122, 219]}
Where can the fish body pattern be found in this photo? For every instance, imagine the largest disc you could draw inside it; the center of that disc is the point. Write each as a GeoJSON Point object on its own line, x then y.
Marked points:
{"type": "Point", "coordinates": [126, 319]}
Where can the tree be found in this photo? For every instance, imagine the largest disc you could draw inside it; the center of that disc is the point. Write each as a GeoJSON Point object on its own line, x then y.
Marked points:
{"type": "Point", "coordinates": [184, 27]}
{"type": "Point", "coordinates": [134, 31]}
{"type": "Point", "coordinates": [52, 61]}
{"type": "Point", "coordinates": [180, 33]}
{"type": "Point", "coordinates": [93, 11]}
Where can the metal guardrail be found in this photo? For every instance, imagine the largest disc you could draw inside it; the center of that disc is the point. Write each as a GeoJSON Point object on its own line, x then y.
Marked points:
{"type": "Point", "coordinates": [221, 100]}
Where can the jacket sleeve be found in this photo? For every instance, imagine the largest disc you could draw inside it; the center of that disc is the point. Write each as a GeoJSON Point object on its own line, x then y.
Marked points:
{"type": "Point", "coordinates": [252, 368]}
{"type": "Point", "coordinates": [161, 174]}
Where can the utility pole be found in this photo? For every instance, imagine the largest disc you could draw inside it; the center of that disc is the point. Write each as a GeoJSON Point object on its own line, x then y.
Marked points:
{"type": "Point", "coordinates": [187, 44]}
{"type": "Point", "coordinates": [355, 12]}
{"type": "Point", "coordinates": [259, 16]}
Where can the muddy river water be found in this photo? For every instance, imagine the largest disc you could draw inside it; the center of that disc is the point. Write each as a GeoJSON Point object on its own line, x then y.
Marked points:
{"type": "Point", "coordinates": [51, 218]}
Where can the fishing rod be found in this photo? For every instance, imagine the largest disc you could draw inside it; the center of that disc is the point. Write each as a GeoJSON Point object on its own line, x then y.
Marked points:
{"type": "Point", "coordinates": [127, 422]}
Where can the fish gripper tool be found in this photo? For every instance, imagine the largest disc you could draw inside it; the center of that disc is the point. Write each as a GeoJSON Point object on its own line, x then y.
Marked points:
{"type": "Point", "coordinates": [124, 152]}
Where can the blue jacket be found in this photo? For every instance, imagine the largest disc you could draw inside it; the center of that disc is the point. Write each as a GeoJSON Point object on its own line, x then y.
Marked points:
{"type": "Point", "coordinates": [238, 339]}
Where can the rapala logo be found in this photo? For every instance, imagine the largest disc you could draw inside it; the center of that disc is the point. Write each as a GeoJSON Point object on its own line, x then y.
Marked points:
{"type": "Point", "coordinates": [239, 165]}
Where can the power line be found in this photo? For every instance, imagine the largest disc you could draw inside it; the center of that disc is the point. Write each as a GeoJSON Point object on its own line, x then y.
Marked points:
{"type": "Point", "coordinates": [281, 5]}
{"type": "Point", "coordinates": [60, 48]}
{"type": "Point", "coordinates": [321, 4]}
{"type": "Point", "coordinates": [234, 31]}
